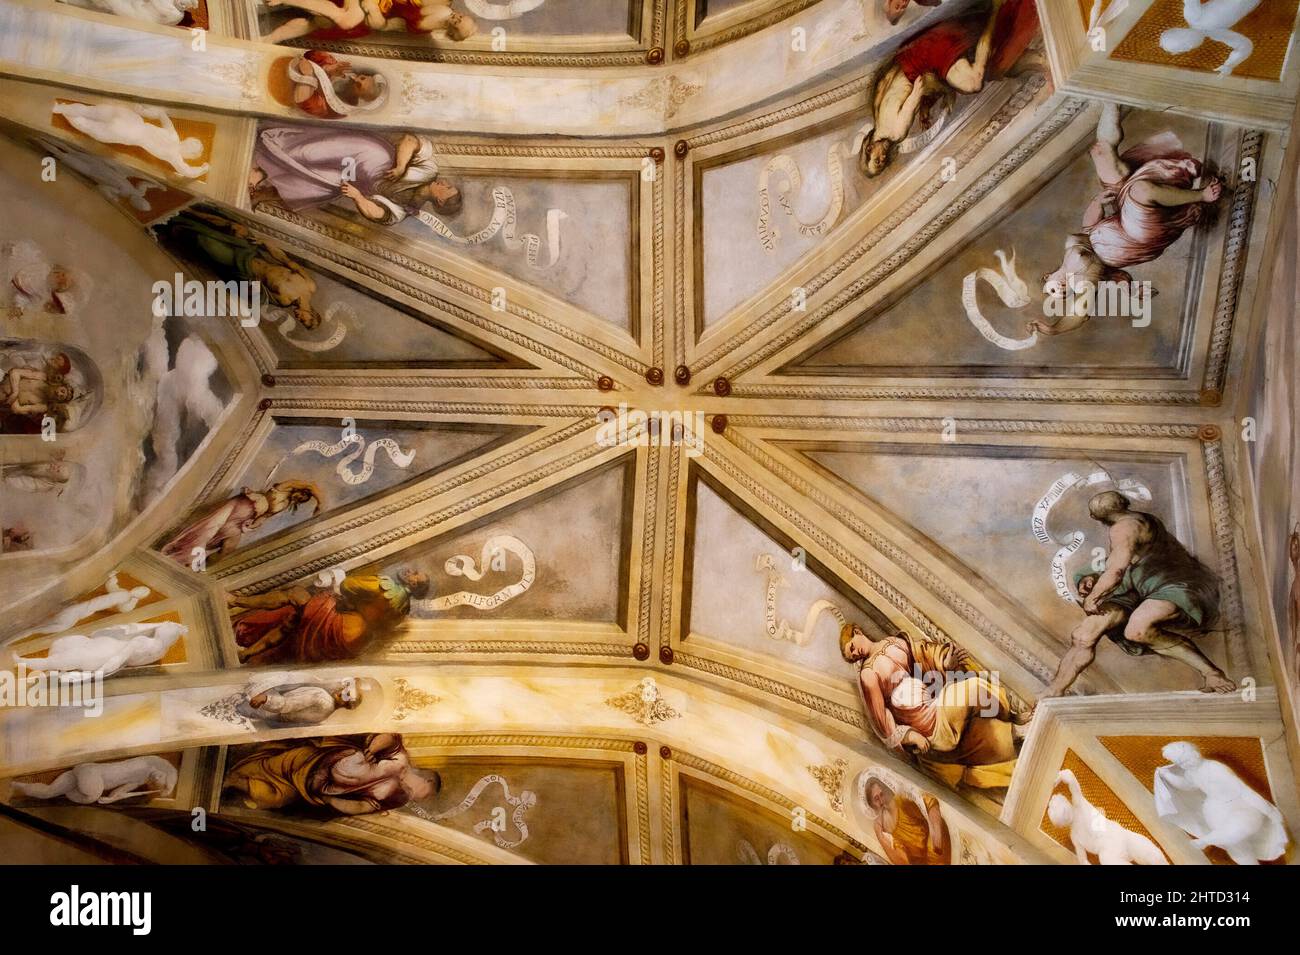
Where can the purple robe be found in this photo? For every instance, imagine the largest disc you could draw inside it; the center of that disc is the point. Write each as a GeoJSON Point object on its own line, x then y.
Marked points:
{"type": "Point", "coordinates": [305, 163]}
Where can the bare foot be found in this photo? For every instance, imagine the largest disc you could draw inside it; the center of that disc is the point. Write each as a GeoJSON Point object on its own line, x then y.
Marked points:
{"type": "Point", "coordinates": [1217, 683]}
{"type": "Point", "coordinates": [1212, 191]}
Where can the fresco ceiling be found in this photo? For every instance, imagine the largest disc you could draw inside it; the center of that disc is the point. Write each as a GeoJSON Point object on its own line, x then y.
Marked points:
{"type": "Point", "coordinates": [645, 433]}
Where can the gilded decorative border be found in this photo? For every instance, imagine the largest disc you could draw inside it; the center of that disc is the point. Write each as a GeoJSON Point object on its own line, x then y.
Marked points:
{"type": "Point", "coordinates": [1234, 262]}
{"type": "Point", "coordinates": [740, 30]}
{"type": "Point", "coordinates": [668, 811]}
{"type": "Point", "coordinates": [236, 448]}
{"type": "Point", "coordinates": [313, 378]}
{"type": "Point", "coordinates": [424, 842]}
{"type": "Point", "coordinates": [1224, 528]}
{"type": "Point", "coordinates": [649, 534]}
{"type": "Point", "coordinates": [670, 547]}
{"type": "Point", "coordinates": [403, 647]}
{"type": "Point", "coordinates": [835, 711]}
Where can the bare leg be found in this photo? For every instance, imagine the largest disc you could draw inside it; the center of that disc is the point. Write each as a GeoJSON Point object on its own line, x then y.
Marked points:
{"type": "Point", "coordinates": [1144, 628]}
{"type": "Point", "coordinates": [1241, 45]}
{"type": "Point", "coordinates": [1083, 648]}
{"type": "Point", "coordinates": [65, 783]}
{"type": "Point", "coordinates": [291, 30]}
{"type": "Point", "coordinates": [345, 17]}
{"type": "Point", "coordinates": [1111, 170]}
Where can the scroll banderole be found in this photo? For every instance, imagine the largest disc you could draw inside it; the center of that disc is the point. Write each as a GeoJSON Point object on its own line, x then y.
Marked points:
{"type": "Point", "coordinates": [969, 690]}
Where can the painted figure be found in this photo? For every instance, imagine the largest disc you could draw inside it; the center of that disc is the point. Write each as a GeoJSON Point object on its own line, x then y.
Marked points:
{"type": "Point", "coordinates": [120, 125]}
{"type": "Point", "coordinates": [956, 56]}
{"type": "Point", "coordinates": [34, 284]}
{"type": "Point", "coordinates": [909, 827]}
{"type": "Point", "coordinates": [1209, 801]}
{"type": "Point", "coordinates": [327, 87]}
{"type": "Point", "coordinates": [340, 774]}
{"type": "Point", "coordinates": [1213, 20]}
{"type": "Point", "coordinates": [274, 700]}
{"type": "Point", "coordinates": [1147, 202]}
{"type": "Point", "coordinates": [310, 625]}
{"type": "Point", "coordinates": [965, 732]}
{"type": "Point", "coordinates": [15, 539]}
{"type": "Point", "coordinates": [234, 253]}
{"type": "Point", "coordinates": [78, 658]}
{"type": "Point", "coordinates": [115, 599]}
{"type": "Point", "coordinates": [1092, 832]}
{"type": "Point", "coordinates": [219, 531]}
{"type": "Point", "coordinates": [353, 19]}
{"type": "Point", "coordinates": [1151, 589]}
{"type": "Point", "coordinates": [386, 179]}
{"type": "Point", "coordinates": [52, 475]}
{"type": "Point", "coordinates": [40, 380]}
{"type": "Point", "coordinates": [105, 783]}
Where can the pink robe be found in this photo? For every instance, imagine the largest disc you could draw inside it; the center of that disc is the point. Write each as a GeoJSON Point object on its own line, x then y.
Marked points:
{"type": "Point", "coordinates": [1140, 232]}
{"type": "Point", "coordinates": [225, 523]}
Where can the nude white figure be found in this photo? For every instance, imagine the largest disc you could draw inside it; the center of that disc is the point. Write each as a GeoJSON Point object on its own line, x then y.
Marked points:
{"type": "Point", "coordinates": [1091, 831]}
{"type": "Point", "coordinates": [1209, 802]}
{"type": "Point", "coordinates": [111, 181]}
{"type": "Point", "coordinates": [1213, 20]}
{"type": "Point", "coordinates": [105, 783]}
{"type": "Point", "coordinates": [128, 126]}
{"type": "Point", "coordinates": [78, 658]}
{"type": "Point", "coordinates": [117, 599]}
{"type": "Point", "coordinates": [166, 12]}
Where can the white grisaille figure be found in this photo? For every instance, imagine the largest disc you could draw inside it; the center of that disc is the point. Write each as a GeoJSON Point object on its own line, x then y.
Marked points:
{"type": "Point", "coordinates": [105, 783]}
{"type": "Point", "coordinates": [165, 12]}
{"type": "Point", "coordinates": [77, 657]}
{"type": "Point", "coordinates": [1209, 802]}
{"type": "Point", "coordinates": [116, 599]}
{"type": "Point", "coordinates": [1091, 831]}
{"type": "Point", "coordinates": [129, 126]}
{"type": "Point", "coordinates": [1213, 20]}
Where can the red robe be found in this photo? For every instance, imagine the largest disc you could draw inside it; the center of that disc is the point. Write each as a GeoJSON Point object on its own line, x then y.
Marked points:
{"type": "Point", "coordinates": [936, 50]}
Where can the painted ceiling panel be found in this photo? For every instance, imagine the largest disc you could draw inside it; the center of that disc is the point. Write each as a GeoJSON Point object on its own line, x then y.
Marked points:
{"type": "Point", "coordinates": [648, 432]}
